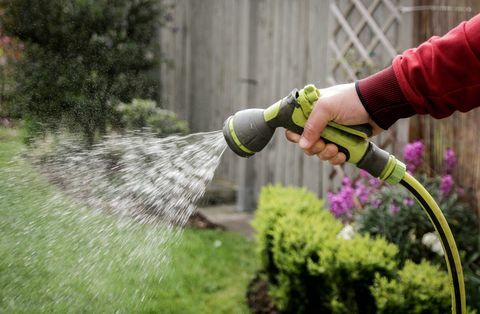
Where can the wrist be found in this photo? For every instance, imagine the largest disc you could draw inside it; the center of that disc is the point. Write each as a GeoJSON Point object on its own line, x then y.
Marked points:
{"type": "Point", "coordinates": [383, 99]}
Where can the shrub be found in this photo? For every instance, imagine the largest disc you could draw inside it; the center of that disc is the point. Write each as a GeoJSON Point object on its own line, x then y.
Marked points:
{"type": "Point", "coordinates": [80, 57]}
{"type": "Point", "coordinates": [271, 207]}
{"type": "Point", "coordinates": [409, 293]}
{"type": "Point", "coordinates": [141, 113]}
{"type": "Point", "coordinates": [308, 266]}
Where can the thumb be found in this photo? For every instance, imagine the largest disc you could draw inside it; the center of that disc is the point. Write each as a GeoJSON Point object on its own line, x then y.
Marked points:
{"type": "Point", "coordinates": [317, 121]}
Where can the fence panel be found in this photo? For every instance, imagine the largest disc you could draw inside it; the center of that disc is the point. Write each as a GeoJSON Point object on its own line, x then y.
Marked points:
{"type": "Point", "coordinates": [460, 131]}
{"type": "Point", "coordinates": [228, 55]}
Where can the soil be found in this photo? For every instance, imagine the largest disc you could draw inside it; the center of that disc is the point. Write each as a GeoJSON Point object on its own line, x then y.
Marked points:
{"type": "Point", "coordinates": [258, 299]}
{"type": "Point", "coordinates": [199, 221]}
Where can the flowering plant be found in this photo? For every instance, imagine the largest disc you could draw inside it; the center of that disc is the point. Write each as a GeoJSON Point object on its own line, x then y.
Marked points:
{"type": "Point", "coordinates": [376, 208]}
{"type": "Point", "coordinates": [11, 50]}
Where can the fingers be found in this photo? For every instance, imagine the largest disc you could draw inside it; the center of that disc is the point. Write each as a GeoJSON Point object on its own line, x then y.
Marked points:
{"type": "Point", "coordinates": [317, 121]}
{"type": "Point", "coordinates": [314, 150]}
{"type": "Point", "coordinates": [339, 159]}
{"type": "Point", "coordinates": [331, 154]}
{"type": "Point", "coordinates": [327, 152]}
{"type": "Point", "coordinates": [292, 136]}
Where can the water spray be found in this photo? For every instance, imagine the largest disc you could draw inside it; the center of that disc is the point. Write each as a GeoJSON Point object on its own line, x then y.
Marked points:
{"type": "Point", "coordinates": [248, 131]}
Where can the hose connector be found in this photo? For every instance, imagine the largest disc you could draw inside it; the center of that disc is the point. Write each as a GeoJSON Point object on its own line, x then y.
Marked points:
{"type": "Point", "coordinates": [394, 172]}
{"type": "Point", "coordinates": [381, 164]}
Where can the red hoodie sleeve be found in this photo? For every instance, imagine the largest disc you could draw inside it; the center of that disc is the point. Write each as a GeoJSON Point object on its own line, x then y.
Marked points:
{"type": "Point", "coordinates": [437, 78]}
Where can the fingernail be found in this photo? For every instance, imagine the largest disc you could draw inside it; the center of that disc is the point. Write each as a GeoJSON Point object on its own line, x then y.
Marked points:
{"type": "Point", "coordinates": [303, 142]}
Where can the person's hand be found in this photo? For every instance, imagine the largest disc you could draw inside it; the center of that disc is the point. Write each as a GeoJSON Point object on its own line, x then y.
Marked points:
{"type": "Point", "coordinates": [340, 104]}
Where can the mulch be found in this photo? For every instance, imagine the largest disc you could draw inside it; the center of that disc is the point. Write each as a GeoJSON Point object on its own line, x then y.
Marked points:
{"type": "Point", "coordinates": [258, 299]}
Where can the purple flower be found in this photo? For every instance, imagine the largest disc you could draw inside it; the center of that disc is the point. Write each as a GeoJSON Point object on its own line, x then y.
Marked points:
{"type": "Point", "coordinates": [376, 203]}
{"type": "Point", "coordinates": [346, 181]}
{"type": "Point", "coordinates": [408, 202]}
{"type": "Point", "coordinates": [446, 184]}
{"type": "Point", "coordinates": [364, 174]}
{"type": "Point", "coordinates": [374, 182]}
{"type": "Point", "coordinates": [450, 160]}
{"type": "Point", "coordinates": [394, 208]}
{"type": "Point", "coordinates": [341, 203]}
{"type": "Point", "coordinates": [362, 192]}
{"type": "Point", "coordinates": [413, 155]}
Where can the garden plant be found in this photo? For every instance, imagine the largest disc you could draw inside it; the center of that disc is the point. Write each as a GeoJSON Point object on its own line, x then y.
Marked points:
{"type": "Point", "coordinates": [313, 264]}
{"type": "Point", "coordinates": [81, 58]}
{"type": "Point", "coordinates": [371, 207]}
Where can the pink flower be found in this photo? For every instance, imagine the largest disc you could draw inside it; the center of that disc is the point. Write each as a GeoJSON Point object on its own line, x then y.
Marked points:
{"type": "Point", "coordinates": [413, 155]}
{"type": "Point", "coordinates": [341, 203]}
{"type": "Point", "coordinates": [376, 203]}
{"type": "Point", "coordinates": [394, 208]}
{"type": "Point", "coordinates": [362, 192]}
{"type": "Point", "coordinates": [446, 184]}
{"type": "Point", "coordinates": [450, 160]}
{"type": "Point", "coordinates": [364, 174]}
{"type": "Point", "coordinates": [408, 202]}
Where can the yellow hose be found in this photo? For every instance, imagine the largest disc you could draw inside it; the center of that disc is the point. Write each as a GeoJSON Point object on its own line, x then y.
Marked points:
{"type": "Point", "coordinates": [454, 265]}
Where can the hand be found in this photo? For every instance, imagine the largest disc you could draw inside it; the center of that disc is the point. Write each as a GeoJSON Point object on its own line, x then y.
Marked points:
{"type": "Point", "coordinates": [340, 104]}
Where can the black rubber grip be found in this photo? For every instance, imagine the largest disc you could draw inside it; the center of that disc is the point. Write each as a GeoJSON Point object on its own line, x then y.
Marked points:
{"type": "Point", "coordinates": [364, 128]}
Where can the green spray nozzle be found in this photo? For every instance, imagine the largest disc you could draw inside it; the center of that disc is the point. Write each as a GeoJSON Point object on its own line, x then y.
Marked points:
{"type": "Point", "coordinates": [249, 131]}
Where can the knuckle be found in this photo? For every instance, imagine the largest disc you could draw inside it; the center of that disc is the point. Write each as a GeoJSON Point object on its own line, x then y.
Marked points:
{"type": "Point", "coordinates": [309, 130]}
{"type": "Point", "coordinates": [331, 150]}
{"type": "Point", "coordinates": [320, 145]}
{"type": "Point", "coordinates": [308, 152]}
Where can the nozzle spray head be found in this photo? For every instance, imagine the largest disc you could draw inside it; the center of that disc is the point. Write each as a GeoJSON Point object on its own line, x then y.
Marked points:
{"type": "Point", "coordinates": [247, 132]}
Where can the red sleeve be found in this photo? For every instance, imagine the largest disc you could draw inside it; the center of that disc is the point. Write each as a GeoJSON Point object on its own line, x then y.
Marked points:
{"type": "Point", "coordinates": [437, 78]}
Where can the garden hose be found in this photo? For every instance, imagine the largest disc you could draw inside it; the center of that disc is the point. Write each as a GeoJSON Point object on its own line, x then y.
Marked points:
{"type": "Point", "coordinates": [452, 257]}
{"type": "Point", "coordinates": [249, 131]}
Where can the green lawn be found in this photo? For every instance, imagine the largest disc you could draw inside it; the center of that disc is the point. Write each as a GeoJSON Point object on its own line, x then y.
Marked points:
{"type": "Point", "coordinates": [59, 257]}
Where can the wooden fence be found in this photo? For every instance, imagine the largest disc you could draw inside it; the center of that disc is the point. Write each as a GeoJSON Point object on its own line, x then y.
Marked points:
{"type": "Point", "coordinates": [460, 131]}
{"type": "Point", "coordinates": [227, 55]}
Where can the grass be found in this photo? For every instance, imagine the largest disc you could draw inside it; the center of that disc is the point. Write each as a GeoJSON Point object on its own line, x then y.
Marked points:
{"type": "Point", "coordinates": [57, 256]}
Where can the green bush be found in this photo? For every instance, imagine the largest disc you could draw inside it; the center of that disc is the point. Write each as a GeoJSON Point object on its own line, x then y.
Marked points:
{"type": "Point", "coordinates": [82, 56]}
{"type": "Point", "coordinates": [409, 293]}
{"type": "Point", "coordinates": [311, 267]}
{"type": "Point", "coordinates": [308, 266]}
{"type": "Point", "coordinates": [271, 207]}
{"type": "Point", "coordinates": [141, 113]}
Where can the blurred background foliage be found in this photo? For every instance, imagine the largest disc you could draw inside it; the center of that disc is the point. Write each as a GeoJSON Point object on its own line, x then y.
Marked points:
{"type": "Point", "coordinates": [80, 59]}
{"type": "Point", "coordinates": [144, 113]}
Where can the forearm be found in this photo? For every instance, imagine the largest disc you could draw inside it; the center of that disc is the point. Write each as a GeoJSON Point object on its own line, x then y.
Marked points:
{"type": "Point", "coordinates": [437, 78]}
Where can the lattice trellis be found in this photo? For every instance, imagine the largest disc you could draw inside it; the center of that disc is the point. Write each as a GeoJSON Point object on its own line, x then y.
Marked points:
{"type": "Point", "coordinates": [364, 37]}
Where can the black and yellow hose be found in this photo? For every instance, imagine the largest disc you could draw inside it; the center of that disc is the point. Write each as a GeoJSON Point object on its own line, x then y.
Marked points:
{"type": "Point", "coordinates": [454, 265]}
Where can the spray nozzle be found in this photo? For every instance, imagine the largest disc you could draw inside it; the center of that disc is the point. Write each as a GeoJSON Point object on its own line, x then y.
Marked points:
{"type": "Point", "coordinates": [249, 131]}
